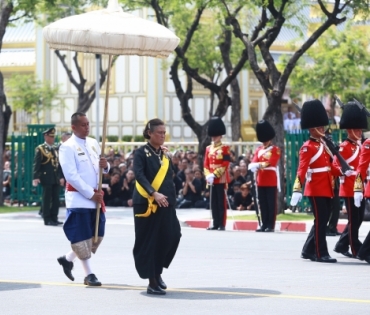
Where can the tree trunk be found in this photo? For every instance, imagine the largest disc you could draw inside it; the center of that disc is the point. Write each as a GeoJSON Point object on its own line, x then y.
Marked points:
{"type": "Point", "coordinates": [235, 112]}
{"type": "Point", "coordinates": [6, 8]}
{"type": "Point", "coordinates": [275, 117]}
{"type": "Point", "coordinates": [2, 142]}
{"type": "Point", "coordinates": [204, 141]}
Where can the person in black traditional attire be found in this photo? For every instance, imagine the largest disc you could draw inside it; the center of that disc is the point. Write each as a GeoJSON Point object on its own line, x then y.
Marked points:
{"type": "Point", "coordinates": [157, 229]}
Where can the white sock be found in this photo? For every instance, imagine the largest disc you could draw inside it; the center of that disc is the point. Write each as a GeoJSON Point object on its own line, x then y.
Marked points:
{"type": "Point", "coordinates": [86, 265]}
{"type": "Point", "coordinates": [71, 256]}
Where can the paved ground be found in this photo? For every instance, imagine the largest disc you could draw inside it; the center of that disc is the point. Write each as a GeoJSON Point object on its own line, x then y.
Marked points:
{"type": "Point", "coordinates": [213, 273]}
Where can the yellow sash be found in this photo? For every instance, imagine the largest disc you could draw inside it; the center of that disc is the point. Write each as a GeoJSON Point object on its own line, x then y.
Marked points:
{"type": "Point", "coordinates": [157, 182]}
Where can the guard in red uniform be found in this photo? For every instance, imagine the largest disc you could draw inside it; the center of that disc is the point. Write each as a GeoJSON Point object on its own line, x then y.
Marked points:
{"type": "Point", "coordinates": [353, 120]}
{"type": "Point", "coordinates": [363, 172]}
{"type": "Point", "coordinates": [216, 164]}
{"type": "Point", "coordinates": [265, 161]}
{"type": "Point", "coordinates": [315, 169]}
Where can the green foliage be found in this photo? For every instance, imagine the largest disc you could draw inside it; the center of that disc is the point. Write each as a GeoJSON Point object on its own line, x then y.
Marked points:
{"type": "Point", "coordinates": [112, 138]}
{"type": "Point", "coordinates": [139, 139]}
{"type": "Point", "coordinates": [204, 52]}
{"type": "Point", "coordinates": [127, 138]}
{"type": "Point", "coordinates": [32, 95]}
{"type": "Point", "coordinates": [339, 61]}
{"type": "Point", "coordinates": [57, 9]}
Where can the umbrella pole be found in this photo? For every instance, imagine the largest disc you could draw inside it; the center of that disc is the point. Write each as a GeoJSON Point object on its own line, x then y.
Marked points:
{"type": "Point", "coordinates": [102, 146]}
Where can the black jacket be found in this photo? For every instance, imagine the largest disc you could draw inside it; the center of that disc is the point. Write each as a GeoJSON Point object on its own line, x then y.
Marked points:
{"type": "Point", "coordinates": [146, 166]}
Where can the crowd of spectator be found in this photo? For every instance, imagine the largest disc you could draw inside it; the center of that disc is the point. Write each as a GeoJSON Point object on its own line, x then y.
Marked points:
{"type": "Point", "coordinates": [189, 181]}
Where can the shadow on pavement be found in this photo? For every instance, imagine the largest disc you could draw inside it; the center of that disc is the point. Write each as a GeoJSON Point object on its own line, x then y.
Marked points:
{"type": "Point", "coordinates": [8, 286]}
{"type": "Point", "coordinates": [214, 294]}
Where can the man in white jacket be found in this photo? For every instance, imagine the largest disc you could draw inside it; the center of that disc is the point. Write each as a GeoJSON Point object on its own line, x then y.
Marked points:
{"type": "Point", "coordinates": [80, 161]}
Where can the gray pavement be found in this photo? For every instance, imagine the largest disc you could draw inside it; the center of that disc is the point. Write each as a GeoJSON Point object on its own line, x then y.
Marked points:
{"type": "Point", "coordinates": [213, 273]}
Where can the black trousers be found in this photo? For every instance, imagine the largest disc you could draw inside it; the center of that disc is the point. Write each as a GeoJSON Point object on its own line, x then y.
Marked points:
{"type": "Point", "coordinates": [316, 240]}
{"type": "Point", "coordinates": [334, 215]}
{"type": "Point", "coordinates": [218, 207]}
{"type": "Point", "coordinates": [364, 251]}
{"type": "Point", "coordinates": [50, 202]}
{"type": "Point", "coordinates": [268, 206]}
{"type": "Point", "coordinates": [349, 236]}
{"type": "Point", "coordinates": [156, 240]}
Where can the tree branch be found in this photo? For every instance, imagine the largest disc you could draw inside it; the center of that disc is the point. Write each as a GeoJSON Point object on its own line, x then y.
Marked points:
{"type": "Point", "coordinates": [333, 20]}
{"type": "Point", "coordinates": [79, 71]}
{"type": "Point", "coordinates": [69, 72]}
{"type": "Point", "coordinates": [261, 25]}
{"type": "Point", "coordinates": [323, 9]}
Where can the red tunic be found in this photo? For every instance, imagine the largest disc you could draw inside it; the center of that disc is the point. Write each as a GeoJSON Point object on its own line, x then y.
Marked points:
{"type": "Point", "coordinates": [321, 183]}
{"type": "Point", "coordinates": [216, 161]}
{"type": "Point", "coordinates": [363, 165]}
{"type": "Point", "coordinates": [349, 150]}
{"type": "Point", "coordinates": [266, 176]}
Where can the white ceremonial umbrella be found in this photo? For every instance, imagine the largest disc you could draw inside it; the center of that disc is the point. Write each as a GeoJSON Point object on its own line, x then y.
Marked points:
{"type": "Point", "coordinates": [114, 32]}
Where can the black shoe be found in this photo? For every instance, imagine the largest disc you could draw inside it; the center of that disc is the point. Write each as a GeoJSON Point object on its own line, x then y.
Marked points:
{"type": "Point", "coordinates": [326, 259]}
{"type": "Point", "coordinates": [58, 222]}
{"type": "Point", "coordinates": [51, 223]}
{"type": "Point", "coordinates": [261, 230]}
{"type": "Point", "coordinates": [92, 281]}
{"type": "Point", "coordinates": [343, 252]}
{"type": "Point", "coordinates": [367, 259]}
{"type": "Point", "coordinates": [311, 257]}
{"type": "Point", "coordinates": [269, 230]}
{"type": "Point", "coordinates": [221, 228]}
{"type": "Point", "coordinates": [156, 291]}
{"type": "Point", "coordinates": [161, 283]}
{"type": "Point", "coordinates": [212, 228]}
{"type": "Point", "coordinates": [67, 267]}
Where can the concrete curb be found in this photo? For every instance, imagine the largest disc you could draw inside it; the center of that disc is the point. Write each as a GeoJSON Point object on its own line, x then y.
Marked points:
{"type": "Point", "coordinates": [244, 225]}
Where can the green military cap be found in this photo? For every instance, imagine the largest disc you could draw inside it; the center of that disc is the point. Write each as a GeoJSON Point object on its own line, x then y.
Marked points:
{"type": "Point", "coordinates": [49, 132]}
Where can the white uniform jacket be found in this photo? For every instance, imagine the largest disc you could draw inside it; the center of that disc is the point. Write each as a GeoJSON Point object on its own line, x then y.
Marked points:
{"type": "Point", "coordinates": [79, 159]}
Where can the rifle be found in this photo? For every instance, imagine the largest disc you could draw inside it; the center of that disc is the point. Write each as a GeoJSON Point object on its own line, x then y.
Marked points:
{"type": "Point", "coordinates": [255, 198]}
{"type": "Point", "coordinates": [362, 107]}
{"type": "Point", "coordinates": [332, 147]}
{"type": "Point", "coordinates": [341, 105]}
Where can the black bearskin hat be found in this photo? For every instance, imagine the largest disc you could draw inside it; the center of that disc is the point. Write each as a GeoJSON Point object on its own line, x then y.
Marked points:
{"type": "Point", "coordinates": [264, 131]}
{"type": "Point", "coordinates": [352, 117]}
{"type": "Point", "coordinates": [313, 115]}
{"type": "Point", "coordinates": [216, 127]}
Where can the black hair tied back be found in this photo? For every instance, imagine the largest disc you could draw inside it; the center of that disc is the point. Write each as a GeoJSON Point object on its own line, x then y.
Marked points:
{"type": "Point", "coordinates": [151, 126]}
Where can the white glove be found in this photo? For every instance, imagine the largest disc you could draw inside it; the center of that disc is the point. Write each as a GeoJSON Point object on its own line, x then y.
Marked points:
{"type": "Point", "coordinates": [210, 178]}
{"type": "Point", "coordinates": [296, 197]}
{"type": "Point", "coordinates": [358, 196]}
{"type": "Point", "coordinates": [35, 182]}
{"type": "Point", "coordinates": [349, 173]}
{"type": "Point", "coordinates": [254, 166]}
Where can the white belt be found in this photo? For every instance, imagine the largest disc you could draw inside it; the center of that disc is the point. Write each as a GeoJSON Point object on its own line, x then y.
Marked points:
{"type": "Point", "coordinates": [310, 171]}
{"type": "Point", "coordinates": [276, 170]}
{"type": "Point", "coordinates": [271, 168]}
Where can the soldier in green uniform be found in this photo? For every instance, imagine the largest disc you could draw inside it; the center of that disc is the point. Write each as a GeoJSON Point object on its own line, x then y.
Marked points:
{"type": "Point", "coordinates": [46, 173]}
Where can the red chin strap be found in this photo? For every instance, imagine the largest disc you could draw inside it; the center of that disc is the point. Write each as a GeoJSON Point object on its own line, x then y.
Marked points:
{"type": "Point", "coordinates": [322, 134]}
{"type": "Point", "coordinates": [353, 134]}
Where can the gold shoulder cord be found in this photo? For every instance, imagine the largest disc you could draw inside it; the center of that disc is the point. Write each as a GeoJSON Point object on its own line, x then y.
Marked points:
{"type": "Point", "coordinates": [49, 157]}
